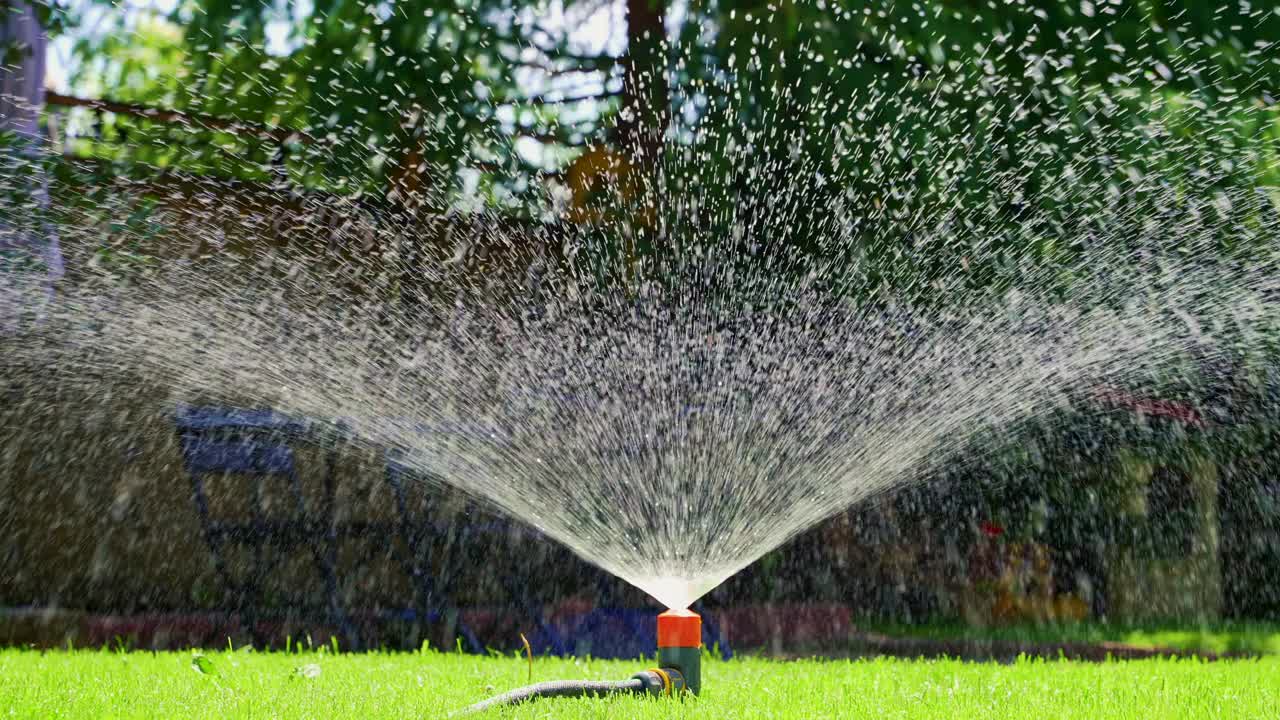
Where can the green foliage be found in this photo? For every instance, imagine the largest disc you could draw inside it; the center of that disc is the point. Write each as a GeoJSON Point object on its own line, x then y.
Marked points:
{"type": "Point", "coordinates": [957, 132]}
{"type": "Point", "coordinates": [55, 17]}
{"type": "Point", "coordinates": [1043, 97]}
{"type": "Point", "coordinates": [385, 99]}
{"type": "Point", "coordinates": [373, 82]}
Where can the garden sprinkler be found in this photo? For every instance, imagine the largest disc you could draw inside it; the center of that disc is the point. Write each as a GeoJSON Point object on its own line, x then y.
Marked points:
{"type": "Point", "coordinates": [680, 646]}
{"type": "Point", "coordinates": [679, 670]}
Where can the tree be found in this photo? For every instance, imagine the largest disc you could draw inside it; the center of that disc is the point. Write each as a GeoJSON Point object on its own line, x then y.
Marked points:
{"type": "Point", "coordinates": [645, 107]}
{"type": "Point", "coordinates": [30, 260]}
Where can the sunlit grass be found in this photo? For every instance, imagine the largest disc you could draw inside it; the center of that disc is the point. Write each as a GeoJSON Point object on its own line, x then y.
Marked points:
{"type": "Point", "coordinates": [241, 684]}
{"type": "Point", "coordinates": [1242, 637]}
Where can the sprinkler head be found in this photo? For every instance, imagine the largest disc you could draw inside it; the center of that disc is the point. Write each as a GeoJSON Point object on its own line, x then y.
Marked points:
{"type": "Point", "coordinates": [680, 646]}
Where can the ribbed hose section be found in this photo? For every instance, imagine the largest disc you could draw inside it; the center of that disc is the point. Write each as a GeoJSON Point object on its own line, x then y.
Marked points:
{"type": "Point", "coordinates": [558, 688]}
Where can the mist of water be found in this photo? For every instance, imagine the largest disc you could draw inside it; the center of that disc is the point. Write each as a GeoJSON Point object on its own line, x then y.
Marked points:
{"type": "Point", "coordinates": [681, 386]}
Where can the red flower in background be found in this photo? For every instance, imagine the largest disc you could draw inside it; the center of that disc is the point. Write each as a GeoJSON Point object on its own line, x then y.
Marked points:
{"type": "Point", "coordinates": [1151, 406]}
{"type": "Point", "coordinates": [991, 529]}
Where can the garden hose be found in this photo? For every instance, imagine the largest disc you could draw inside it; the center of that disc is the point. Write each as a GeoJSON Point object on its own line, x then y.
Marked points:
{"type": "Point", "coordinates": [658, 681]}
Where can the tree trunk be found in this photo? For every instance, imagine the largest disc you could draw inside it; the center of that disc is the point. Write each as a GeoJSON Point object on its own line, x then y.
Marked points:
{"type": "Point", "coordinates": [645, 103]}
{"type": "Point", "coordinates": [30, 259]}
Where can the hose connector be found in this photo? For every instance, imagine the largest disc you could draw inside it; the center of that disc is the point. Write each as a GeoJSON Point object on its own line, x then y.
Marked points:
{"type": "Point", "coordinates": [680, 646]}
{"type": "Point", "coordinates": [662, 682]}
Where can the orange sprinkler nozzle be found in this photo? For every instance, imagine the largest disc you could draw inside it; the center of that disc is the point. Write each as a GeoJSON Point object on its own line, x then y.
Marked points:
{"type": "Point", "coordinates": [679, 629]}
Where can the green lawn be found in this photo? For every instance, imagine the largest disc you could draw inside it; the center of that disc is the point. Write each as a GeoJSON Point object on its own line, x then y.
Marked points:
{"type": "Point", "coordinates": [240, 684]}
{"type": "Point", "coordinates": [1260, 638]}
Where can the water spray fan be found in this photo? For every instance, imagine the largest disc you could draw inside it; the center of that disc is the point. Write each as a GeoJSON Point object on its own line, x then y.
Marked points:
{"type": "Point", "coordinates": [679, 670]}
